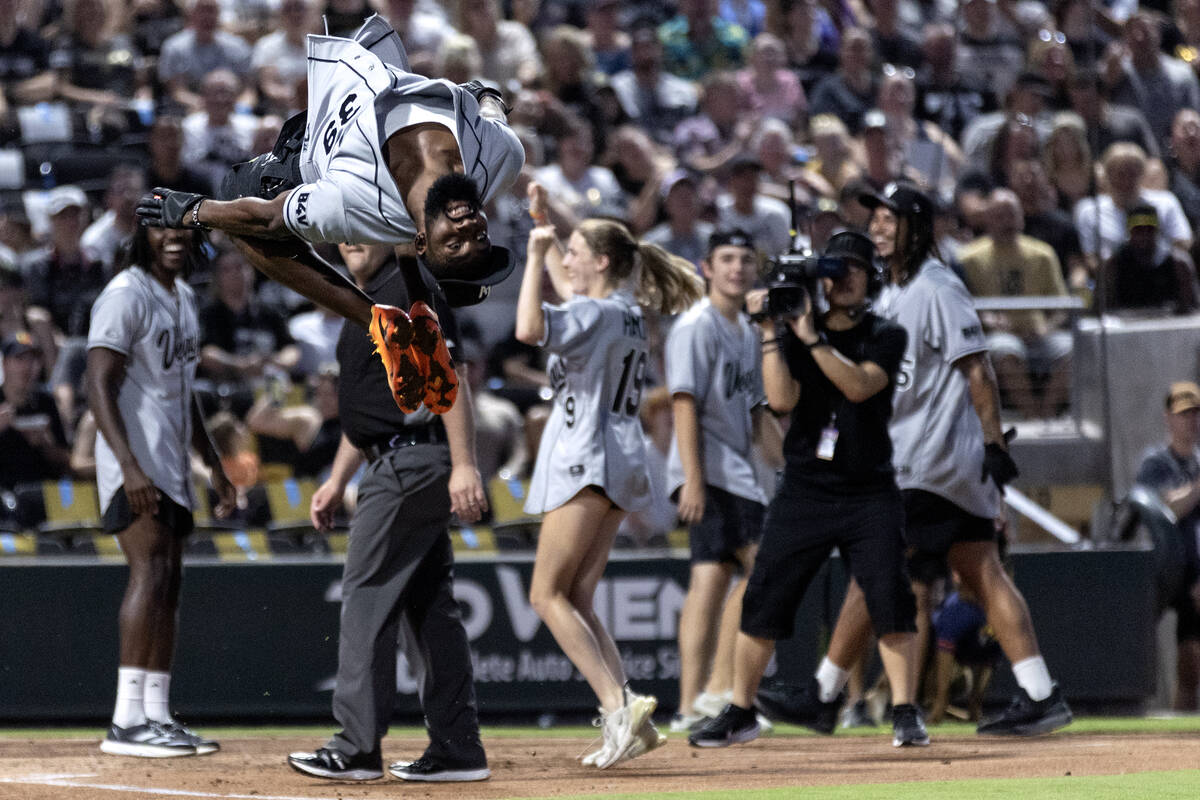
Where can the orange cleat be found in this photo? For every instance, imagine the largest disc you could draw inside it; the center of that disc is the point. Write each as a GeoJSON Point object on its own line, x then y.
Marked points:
{"type": "Point", "coordinates": [392, 332]}
{"type": "Point", "coordinates": [429, 352]}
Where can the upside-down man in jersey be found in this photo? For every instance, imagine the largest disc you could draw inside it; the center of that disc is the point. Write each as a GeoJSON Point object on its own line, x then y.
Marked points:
{"type": "Point", "coordinates": [387, 157]}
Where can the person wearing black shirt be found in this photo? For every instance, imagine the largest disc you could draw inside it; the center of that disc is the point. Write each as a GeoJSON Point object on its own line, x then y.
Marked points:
{"type": "Point", "coordinates": [397, 583]}
{"type": "Point", "coordinates": [835, 374]}
{"type": "Point", "coordinates": [32, 437]}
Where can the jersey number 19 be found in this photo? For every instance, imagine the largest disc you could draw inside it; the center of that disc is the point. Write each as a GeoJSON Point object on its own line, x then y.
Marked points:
{"type": "Point", "coordinates": [629, 390]}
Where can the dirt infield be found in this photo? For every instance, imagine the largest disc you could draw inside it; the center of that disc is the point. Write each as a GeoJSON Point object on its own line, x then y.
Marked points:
{"type": "Point", "coordinates": [547, 767]}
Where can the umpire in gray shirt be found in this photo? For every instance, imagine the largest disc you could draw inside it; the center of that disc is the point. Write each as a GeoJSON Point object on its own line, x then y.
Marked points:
{"type": "Point", "coordinates": [397, 585]}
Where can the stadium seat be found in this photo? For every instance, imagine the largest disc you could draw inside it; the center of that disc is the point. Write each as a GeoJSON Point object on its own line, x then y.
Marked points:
{"type": "Point", "coordinates": [71, 507]}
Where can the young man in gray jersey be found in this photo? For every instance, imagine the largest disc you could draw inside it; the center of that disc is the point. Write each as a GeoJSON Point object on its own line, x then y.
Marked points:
{"type": "Point", "coordinates": [384, 156]}
{"type": "Point", "coordinates": [951, 462]}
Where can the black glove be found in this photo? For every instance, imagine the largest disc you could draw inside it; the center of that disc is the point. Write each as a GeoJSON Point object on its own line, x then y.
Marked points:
{"type": "Point", "coordinates": [479, 90]}
{"type": "Point", "coordinates": [167, 208]}
{"type": "Point", "coordinates": [998, 465]}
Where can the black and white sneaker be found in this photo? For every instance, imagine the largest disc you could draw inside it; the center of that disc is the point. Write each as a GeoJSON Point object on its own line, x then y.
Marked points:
{"type": "Point", "coordinates": [203, 746]}
{"type": "Point", "coordinates": [799, 704]}
{"type": "Point", "coordinates": [433, 769]}
{"type": "Point", "coordinates": [148, 740]}
{"type": "Point", "coordinates": [908, 727]}
{"type": "Point", "coordinates": [1026, 717]}
{"type": "Point", "coordinates": [732, 726]}
{"type": "Point", "coordinates": [329, 763]}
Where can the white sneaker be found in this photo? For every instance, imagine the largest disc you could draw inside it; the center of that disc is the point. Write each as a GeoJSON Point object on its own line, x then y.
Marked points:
{"type": "Point", "coordinates": [623, 726]}
{"type": "Point", "coordinates": [648, 738]}
{"type": "Point", "coordinates": [765, 726]}
{"type": "Point", "coordinates": [591, 758]}
{"type": "Point", "coordinates": [710, 704]}
{"type": "Point", "coordinates": [682, 723]}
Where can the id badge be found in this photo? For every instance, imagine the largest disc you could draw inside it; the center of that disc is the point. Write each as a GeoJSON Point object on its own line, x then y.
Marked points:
{"type": "Point", "coordinates": [825, 447]}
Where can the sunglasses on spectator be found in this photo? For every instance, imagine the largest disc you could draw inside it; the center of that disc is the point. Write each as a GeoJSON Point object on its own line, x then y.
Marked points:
{"type": "Point", "coordinates": [1047, 35]}
{"type": "Point", "coordinates": [892, 70]}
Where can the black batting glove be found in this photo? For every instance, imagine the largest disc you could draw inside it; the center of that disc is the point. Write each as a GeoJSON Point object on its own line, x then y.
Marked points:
{"type": "Point", "coordinates": [480, 90]}
{"type": "Point", "coordinates": [998, 465]}
{"type": "Point", "coordinates": [167, 208]}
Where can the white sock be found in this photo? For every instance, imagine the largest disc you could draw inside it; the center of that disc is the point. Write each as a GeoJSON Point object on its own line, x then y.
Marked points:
{"type": "Point", "coordinates": [830, 678]}
{"type": "Point", "coordinates": [158, 686]}
{"type": "Point", "coordinates": [128, 710]}
{"type": "Point", "coordinates": [1033, 677]}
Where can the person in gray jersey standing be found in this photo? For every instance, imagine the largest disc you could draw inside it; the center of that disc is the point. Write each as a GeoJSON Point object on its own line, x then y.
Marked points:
{"type": "Point", "coordinates": [951, 461]}
{"type": "Point", "coordinates": [397, 584]}
{"type": "Point", "coordinates": [143, 348]}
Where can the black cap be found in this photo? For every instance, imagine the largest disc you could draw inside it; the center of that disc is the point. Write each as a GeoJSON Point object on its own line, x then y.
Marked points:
{"type": "Point", "coordinates": [745, 161]}
{"type": "Point", "coordinates": [730, 236]}
{"type": "Point", "coordinates": [1142, 215]}
{"type": "Point", "coordinates": [902, 197]}
{"type": "Point", "coordinates": [469, 285]}
{"type": "Point", "coordinates": [18, 344]}
{"type": "Point", "coordinates": [853, 246]}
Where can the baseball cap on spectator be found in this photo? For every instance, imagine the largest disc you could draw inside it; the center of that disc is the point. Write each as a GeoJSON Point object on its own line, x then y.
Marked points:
{"type": "Point", "coordinates": [827, 205]}
{"type": "Point", "coordinates": [1142, 215]}
{"type": "Point", "coordinates": [729, 236]}
{"type": "Point", "coordinates": [18, 344]}
{"type": "Point", "coordinates": [1184, 396]}
{"type": "Point", "coordinates": [873, 120]}
{"type": "Point", "coordinates": [64, 197]}
{"type": "Point", "coordinates": [674, 178]}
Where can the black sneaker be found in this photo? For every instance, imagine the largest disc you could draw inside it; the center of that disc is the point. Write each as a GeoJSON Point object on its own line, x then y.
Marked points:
{"type": "Point", "coordinates": [1025, 717]}
{"type": "Point", "coordinates": [799, 705]}
{"type": "Point", "coordinates": [148, 740]}
{"type": "Point", "coordinates": [329, 763]}
{"type": "Point", "coordinates": [732, 726]}
{"type": "Point", "coordinates": [908, 727]}
{"type": "Point", "coordinates": [431, 768]}
{"type": "Point", "coordinates": [203, 746]}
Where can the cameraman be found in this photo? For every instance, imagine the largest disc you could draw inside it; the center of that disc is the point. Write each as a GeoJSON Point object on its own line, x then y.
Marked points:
{"type": "Point", "coordinates": [835, 374]}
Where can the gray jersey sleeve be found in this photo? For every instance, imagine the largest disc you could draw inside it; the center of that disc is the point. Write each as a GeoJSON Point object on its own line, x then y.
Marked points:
{"type": "Point", "coordinates": [570, 326]}
{"type": "Point", "coordinates": [953, 327]}
{"type": "Point", "coordinates": [688, 362]}
{"type": "Point", "coordinates": [118, 317]}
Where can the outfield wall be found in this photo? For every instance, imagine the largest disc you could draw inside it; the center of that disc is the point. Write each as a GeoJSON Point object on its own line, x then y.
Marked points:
{"type": "Point", "coordinates": [259, 641]}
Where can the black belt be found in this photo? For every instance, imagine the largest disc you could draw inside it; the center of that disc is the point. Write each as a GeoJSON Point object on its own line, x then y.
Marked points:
{"type": "Point", "coordinates": [431, 434]}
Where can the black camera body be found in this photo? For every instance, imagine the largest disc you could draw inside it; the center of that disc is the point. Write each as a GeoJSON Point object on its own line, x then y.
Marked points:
{"type": "Point", "coordinates": [793, 276]}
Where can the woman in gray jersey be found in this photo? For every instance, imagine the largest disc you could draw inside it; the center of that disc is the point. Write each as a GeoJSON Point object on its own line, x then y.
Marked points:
{"type": "Point", "coordinates": [142, 357]}
{"type": "Point", "coordinates": [591, 465]}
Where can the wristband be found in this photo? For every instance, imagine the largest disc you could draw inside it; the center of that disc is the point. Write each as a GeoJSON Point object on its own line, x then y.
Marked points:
{"type": "Point", "coordinates": [196, 215]}
{"type": "Point", "coordinates": [820, 341]}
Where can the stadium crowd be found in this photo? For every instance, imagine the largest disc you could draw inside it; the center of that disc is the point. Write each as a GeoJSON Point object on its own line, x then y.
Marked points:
{"type": "Point", "coordinates": [1061, 141]}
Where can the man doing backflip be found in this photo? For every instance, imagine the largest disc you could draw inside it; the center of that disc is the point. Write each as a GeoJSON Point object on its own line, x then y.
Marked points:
{"type": "Point", "coordinates": [386, 157]}
{"type": "Point", "coordinates": [951, 462]}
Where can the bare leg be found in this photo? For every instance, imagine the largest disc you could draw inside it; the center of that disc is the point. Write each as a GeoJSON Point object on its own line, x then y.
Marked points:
{"type": "Point", "coordinates": [852, 633]}
{"type": "Point", "coordinates": [896, 652]}
{"type": "Point", "coordinates": [922, 593]}
{"type": "Point", "coordinates": [585, 590]}
{"type": "Point", "coordinates": [752, 655]}
{"type": "Point", "coordinates": [720, 679]}
{"type": "Point", "coordinates": [149, 610]}
{"type": "Point", "coordinates": [945, 665]}
{"type": "Point", "coordinates": [978, 566]}
{"type": "Point", "coordinates": [698, 627]}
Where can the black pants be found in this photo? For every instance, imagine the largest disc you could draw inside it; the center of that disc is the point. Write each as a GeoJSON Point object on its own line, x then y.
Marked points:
{"type": "Point", "coordinates": [397, 587]}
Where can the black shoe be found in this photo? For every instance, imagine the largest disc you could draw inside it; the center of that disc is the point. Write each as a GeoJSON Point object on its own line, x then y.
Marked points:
{"type": "Point", "coordinates": [1025, 717]}
{"type": "Point", "coordinates": [431, 768]}
{"type": "Point", "coordinates": [203, 746]}
{"type": "Point", "coordinates": [799, 705]}
{"type": "Point", "coordinates": [148, 740]}
{"type": "Point", "coordinates": [733, 726]}
{"type": "Point", "coordinates": [329, 763]}
{"type": "Point", "coordinates": [908, 727]}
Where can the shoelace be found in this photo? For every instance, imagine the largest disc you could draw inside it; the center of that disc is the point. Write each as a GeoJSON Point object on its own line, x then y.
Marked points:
{"type": "Point", "coordinates": [597, 722]}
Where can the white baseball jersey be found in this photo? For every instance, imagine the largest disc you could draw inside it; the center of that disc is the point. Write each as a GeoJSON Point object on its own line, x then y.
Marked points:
{"type": "Point", "coordinates": [937, 438]}
{"type": "Point", "coordinates": [360, 92]}
{"type": "Point", "coordinates": [599, 353]}
{"type": "Point", "coordinates": [159, 334]}
{"type": "Point", "coordinates": [717, 362]}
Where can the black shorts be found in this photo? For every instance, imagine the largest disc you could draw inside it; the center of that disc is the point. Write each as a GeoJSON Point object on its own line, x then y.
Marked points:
{"type": "Point", "coordinates": [931, 525]}
{"type": "Point", "coordinates": [801, 529]}
{"type": "Point", "coordinates": [730, 522]}
{"type": "Point", "coordinates": [119, 516]}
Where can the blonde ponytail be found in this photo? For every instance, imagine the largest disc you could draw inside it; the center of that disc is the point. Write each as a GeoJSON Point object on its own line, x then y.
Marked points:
{"type": "Point", "coordinates": [667, 283]}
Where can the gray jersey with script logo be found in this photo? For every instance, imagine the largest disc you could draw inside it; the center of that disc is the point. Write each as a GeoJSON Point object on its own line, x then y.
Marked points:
{"type": "Point", "coordinates": [717, 362]}
{"type": "Point", "coordinates": [937, 438]}
{"type": "Point", "coordinates": [158, 332]}
{"type": "Point", "coordinates": [597, 367]}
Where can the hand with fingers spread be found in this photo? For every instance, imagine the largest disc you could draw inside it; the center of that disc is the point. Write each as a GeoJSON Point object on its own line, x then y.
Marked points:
{"type": "Point", "coordinates": [167, 208]}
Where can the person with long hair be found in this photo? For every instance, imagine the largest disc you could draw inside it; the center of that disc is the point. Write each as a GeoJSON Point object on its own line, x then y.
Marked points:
{"type": "Point", "coordinates": [591, 464]}
{"type": "Point", "coordinates": [143, 350]}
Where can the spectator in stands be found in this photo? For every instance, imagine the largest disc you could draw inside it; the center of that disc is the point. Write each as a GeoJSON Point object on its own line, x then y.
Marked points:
{"type": "Point", "coordinates": [770, 88]}
{"type": "Point", "coordinates": [25, 74]}
{"type": "Point", "coordinates": [280, 59]}
{"type": "Point", "coordinates": [697, 40]}
{"type": "Point", "coordinates": [306, 435]}
{"type": "Point", "coordinates": [499, 427]}
{"type": "Point", "coordinates": [811, 37]}
{"type": "Point", "coordinates": [95, 61]}
{"type": "Point", "coordinates": [1044, 220]}
{"type": "Point", "coordinates": [766, 220]}
{"type": "Point", "coordinates": [1051, 58]}
{"type": "Point", "coordinates": [1173, 470]}
{"type": "Point", "coordinates": [421, 29]}
{"type": "Point", "coordinates": [891, 41]}
{"type": "Point", "coordinates": [344, 17]}
{"type": "Point", "coordinates": [216, 136]}
{"type": "Point", "coordinates": [989, 54]}
{"type": "Point", "coordinates": [190, 55]}
{"type": "Point", "coordinates": [63, 278]}
{"type": "Point", "coordinates": [946, 96]}
{"type": "Point", "coordinates": [706, 141]}
{"type": "Point", "coordinates": [16, 233]}
{"type": "Point", "coordinates": [926, 151]}
{"type": "Point", "coordinates": [587, 190]}
{"type": "Point", "coordinates": [570, 78]}
{"type": "Point", "coordinates": [610, 44]}
{"type": "Point", "coordinates": [510, 55]}
{"type": "Point", "coordinates": [683, 233]}
{"type": "Point", "coordinates": [1139, 74]}
{"type": "Point", "coordinates": [242, 340]}
{"type": "Point", "coordinates": [1068, 159]}
{"type": "Point", "coordinates": [104, 237]}
{"type": "Point", "coordinates": [32, 437]}
{"type": "Point", "coordinates": [749, 15]}
{"type": "Point", "coordinates": [650, 97]}
{"type": "Point", "coordinates": [1101, 221]}
{"type": "Point", "coordinates": [1107, 123]}
{"type": "Point", "coordinates": [316, 333]}
{"type": "Point", "coordinates": [834, 159]}
{"type": "Point", "coordinates": [16, 316]}
{"type": "Point", "coordinates": [882, 163]}
{"type": "Point", "coordinates": [1184, 162]}
{"type": "Point", "coordinates": [152, 22]}
{"type": "Point", "coordinates": [1007, 263]}
{"type": "Point", "coordinates": [639, 166]}
{"type": "Point", "coordinates": [458, 59]}
{"type": "Point", "coordinates": [167, 167]}
{"type": "Point", "coordinates": [849, 92]}
{"type": "Point", "coordinates": [1025, 99]}
{"type": "Point", "coordinates": [826, 220]}
{"type": "Point", "coordinates": [772, 144]}
{"type": "Point", "coordinates": [1138, 278]}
